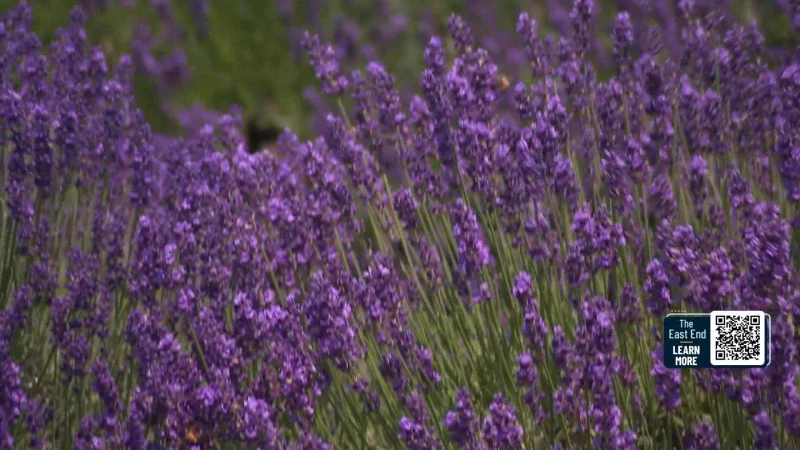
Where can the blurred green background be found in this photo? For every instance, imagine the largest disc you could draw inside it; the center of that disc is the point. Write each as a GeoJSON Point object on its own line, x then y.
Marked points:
{"type": "Point", "coordinates": [245, 53]}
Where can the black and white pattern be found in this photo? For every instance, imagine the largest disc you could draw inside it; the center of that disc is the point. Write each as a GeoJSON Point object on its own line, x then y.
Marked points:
{"type": "Point", "coordinates": [738, 338]}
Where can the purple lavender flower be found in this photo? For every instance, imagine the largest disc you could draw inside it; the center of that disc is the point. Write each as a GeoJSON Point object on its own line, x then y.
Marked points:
{"type": "Point", "coordinates": [330, 323]}
{"type": "Point", "coordinates": [698, 170]}
{"type": "Point", "coordinates": [371, 398]}
{"type": "Point", "coordinates": [595, 334]}
{"type": "Point", "coordinates": [106, 387]}
{"type": "Point", "coordinates": [661, 199]}
{"type": "Point", "coordinates": [765, 432]}
{"type": "Point", "coordinates": [528, 380]}
{"type": "Point", "coordinates": [382, 95]}
{"type": "Point", "coordinates": [565, 182]}
{"type": "Point", "coordinates": [461, 92]}
{"type": "Point", "coordinates": [199, 9]}
{"type": "Point", "coordinates": [703, 437]}
{"type": "Point", "coordinates": [42, 151]}
{"type": "Point", "coordinates": [434, 57]}
{"type": "Point", "coordinates": [535, 48]}
{"type": "Point", "coordinates": [475, 146]}
{"type": "Point", "coordinates": [70, 324]}
{"type": "Point", "coordinates": [415, 432]}
{"type": "Point", "coordinates": [461, 33]}
{"type": "Point", "coordinates": [434, 88]}
{"type": "Point", "coordinates": [392, 369]}
{"type": "Point", "coordinates": [473, 251]}
{"type": "Point", "coordinates": [37, 416]}
{"type": "Point", "coordinates": [500, 428]}
{"type": "Point", "coordinates": [406, 206]}
{"type": "Point", "coordinates": [714, 286]}
{"type": "Point", "coordinates": [414, 435]}
{"type": "Point", "coordinates": [387, 98]}
{"type": "Point", "coordinates": [766, 243]}
{"type": "Point", "coordinates": [563, 350]}
{"type": "Point", "coordinates": [622, 37]}
{"type": "Point", "coordinates": [325, 63]}
{"type": "Point", "coordinates": [656, 286]}
{"type": "Point", "coordinates": [164, 8]}
{"type": "Point", "coordinates": [12, 394]}
{"type": "Point", "coordinates": [581, 16]}
{"type": "Point", "coordinates": [629, 309]}
{"type": "Point", "coordinates": [535, 328]}
{"type": "Point", "coordinates": [597, 240]}
{"type": "Point", "coordinates": [462, 423]}
{"type": "Point", "coordinates": [257, 422]}
{"type": "Point", "coordinates": [307, 441]}
{"type": "Point", "coordinates": [668, 381]}
{"type": "Point", "coordinates": [425, 360]}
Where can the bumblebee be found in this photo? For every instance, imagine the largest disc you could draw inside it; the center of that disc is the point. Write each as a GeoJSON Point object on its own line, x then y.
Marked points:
{"type": "Point", "coordinates": [193, 435]}
{"type": "Point", "coordinates": [503, 83]}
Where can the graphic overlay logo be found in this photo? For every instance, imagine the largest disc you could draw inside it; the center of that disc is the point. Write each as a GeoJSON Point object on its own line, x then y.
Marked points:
{"type": "Point", "coordinates": [720, 339]}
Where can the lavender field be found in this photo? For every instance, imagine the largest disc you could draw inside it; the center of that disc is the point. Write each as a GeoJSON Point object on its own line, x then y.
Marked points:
{"type": "Point", "coordinates": [472, 259]}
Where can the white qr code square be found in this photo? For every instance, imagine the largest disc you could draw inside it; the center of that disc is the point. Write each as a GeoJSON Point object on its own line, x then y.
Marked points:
{"type": "Point", "coordinates": [738, 338]}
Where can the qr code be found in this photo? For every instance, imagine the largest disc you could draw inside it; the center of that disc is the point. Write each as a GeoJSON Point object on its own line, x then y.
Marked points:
{"type": "Point", "coordinates": [738, 338]}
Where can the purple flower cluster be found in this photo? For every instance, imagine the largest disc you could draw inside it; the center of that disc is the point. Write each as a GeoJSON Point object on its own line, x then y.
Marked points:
{"type": "Point", "coordinates": [172, 70]}
{"type": "Point", "coordinates": [466, 267]}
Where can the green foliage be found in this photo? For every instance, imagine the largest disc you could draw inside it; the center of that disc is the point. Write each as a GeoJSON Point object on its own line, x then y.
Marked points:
{"type": "Point", "coordinates": [245, 61]}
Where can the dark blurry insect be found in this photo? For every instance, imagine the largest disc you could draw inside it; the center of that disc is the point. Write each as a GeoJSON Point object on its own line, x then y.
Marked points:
{"type": "Point", "coordinates": [258, 136]}
{"type": "Point", "coordinates": [611, 290]}
{"type": "Point", "coordinates": [400, 251]}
